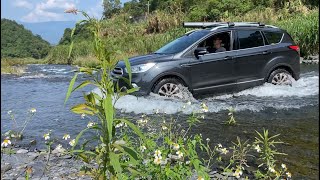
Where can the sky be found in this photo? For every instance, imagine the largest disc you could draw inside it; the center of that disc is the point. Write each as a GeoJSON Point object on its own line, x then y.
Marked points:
{"type": "Point", "coordinates": [32, 11]}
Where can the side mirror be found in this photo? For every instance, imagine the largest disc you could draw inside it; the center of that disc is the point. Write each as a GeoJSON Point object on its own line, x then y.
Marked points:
{"type": "Point", "coordinates": [200, 51]}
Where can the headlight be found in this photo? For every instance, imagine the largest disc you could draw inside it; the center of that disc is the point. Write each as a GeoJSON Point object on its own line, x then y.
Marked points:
{"type": "Point", "coordinates": [141, 68]}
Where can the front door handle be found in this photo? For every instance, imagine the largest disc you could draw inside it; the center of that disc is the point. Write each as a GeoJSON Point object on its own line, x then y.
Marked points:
{"type": "Point", "coordinates": [266, 52]}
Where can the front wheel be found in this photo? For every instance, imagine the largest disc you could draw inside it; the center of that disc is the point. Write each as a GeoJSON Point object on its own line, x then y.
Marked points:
{"type": "Point", "coordinates": [170, 87]}
{"type": "Point", "coordinates": [280, 77]}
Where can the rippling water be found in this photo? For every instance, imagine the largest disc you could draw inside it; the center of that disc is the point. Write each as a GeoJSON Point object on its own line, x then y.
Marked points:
{"type": "Point", "coordinates": [291, 111]}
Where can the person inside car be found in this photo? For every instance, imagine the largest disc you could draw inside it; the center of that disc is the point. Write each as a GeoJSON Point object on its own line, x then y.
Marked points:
{"type": "Point", "coordinates": [217, 45]}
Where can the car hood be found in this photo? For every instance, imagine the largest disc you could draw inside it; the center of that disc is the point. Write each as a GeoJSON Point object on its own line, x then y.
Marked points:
{"type": "Point", "coordinates": [146, 59]}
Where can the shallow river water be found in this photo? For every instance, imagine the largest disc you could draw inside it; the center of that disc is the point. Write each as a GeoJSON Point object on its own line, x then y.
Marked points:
{"type": "Point", "coordinates": [292, 112]}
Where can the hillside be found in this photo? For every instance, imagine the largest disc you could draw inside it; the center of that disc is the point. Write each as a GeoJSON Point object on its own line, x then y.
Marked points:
{"type": "Point", "coordinates": [16, 41]}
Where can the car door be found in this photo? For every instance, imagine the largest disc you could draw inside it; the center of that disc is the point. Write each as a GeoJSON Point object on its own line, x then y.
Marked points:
{"type": "Point", "coordinates": [251, 57]}
{"type": "Point", "coordinates": [214, 70]}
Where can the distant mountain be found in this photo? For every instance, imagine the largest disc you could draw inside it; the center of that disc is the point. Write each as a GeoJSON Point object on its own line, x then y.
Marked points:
{"type": "Point", "coordinates": [16, 41]}
{"type": "Point", "coordinates": [50, 31]}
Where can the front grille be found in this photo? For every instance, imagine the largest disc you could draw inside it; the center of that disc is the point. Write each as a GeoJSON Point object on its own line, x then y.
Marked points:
{"type": "Point", "coordinates": [117, 71]}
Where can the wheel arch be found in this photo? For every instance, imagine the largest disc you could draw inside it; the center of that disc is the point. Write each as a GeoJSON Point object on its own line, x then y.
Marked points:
{"type": "Point", "coordinates": [280, 66]}
{"type": "Point", "coordinates": [169, 75]}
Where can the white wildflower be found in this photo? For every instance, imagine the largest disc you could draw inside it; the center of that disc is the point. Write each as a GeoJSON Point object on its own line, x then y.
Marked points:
{"type": "Point", "coordinates": [72, 142]}
{"type": "Point", "coordinates": [157, 153]}
{"type": "Point", "coordinates": [189, 103]}
{"type": "Point", "coordinates": [33, 110]}
{"type": "Point", "coordinates": [257, 147]}
{"type": "Point", "coordinates": [66, 137]}
{"type": "Point", "coordinates": [208, 139]}
{"type": "Point", "coordinates": [82, 116]}
{"type": "Point", "coordinates": [5, 143]}
{"type": "Point", "coordinates": [10, 112]}
{"type": "Point", "coordinates": [90, 124]}
{"type": "Point", "coordinates": [180, 154]}
{"type": "Point", "coordinates": [176, 146]}
{"type": "Point", "coordinates": [142, 148]}
{"type": "Point", "coordinates": [288, 174]}
{"type": "Point", "coordinates": [157, 160]}
{"type": "Point", "coordinates": [224, 151]}
{"type": "Point", "coordinates": [46, 136]}
{"type": "Point", "coordinates": [283, 166]}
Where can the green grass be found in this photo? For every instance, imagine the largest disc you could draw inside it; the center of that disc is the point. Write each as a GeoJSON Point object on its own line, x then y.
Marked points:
{"type": "Point", "coordinates": [17, 65]}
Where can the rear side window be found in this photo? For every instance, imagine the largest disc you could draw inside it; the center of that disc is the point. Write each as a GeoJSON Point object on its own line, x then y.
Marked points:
{"type": "Point", "coordinates": [250, 39]}
{"type": "Point", "coordinates": [273, 37]}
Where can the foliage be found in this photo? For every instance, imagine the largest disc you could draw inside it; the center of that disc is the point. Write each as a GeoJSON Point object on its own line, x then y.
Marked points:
{"type": "Point", "coordinates": [111, 7]}
{"type": "Point", "coordinates": [16, 41]}
{"type": "Point", "coordinates": [117, 153]}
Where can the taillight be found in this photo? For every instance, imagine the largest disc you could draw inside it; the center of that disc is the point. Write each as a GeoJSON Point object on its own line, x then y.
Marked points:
{"type": "Point", "coordinates": [296, 48]}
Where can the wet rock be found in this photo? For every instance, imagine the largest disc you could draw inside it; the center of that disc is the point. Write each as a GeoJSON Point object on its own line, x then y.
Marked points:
{"type": "Point", "coordinates": [22, 151]}
{"type": "Point", "coordinates": [5, 167]}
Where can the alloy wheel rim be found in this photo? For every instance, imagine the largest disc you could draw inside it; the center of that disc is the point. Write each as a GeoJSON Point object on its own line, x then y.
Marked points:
{"type": "Point", "coordinates": [170, 90]}
{"type": "Point", "coordinates": [281, 79]}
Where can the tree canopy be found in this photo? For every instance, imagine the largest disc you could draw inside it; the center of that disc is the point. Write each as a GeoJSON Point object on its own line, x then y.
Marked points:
{"type": "Point", "coordinates": [16, 41]}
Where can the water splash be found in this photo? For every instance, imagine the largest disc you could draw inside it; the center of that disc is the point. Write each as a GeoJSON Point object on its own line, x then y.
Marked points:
{"type": "Point", "coordinates": [255, 99]}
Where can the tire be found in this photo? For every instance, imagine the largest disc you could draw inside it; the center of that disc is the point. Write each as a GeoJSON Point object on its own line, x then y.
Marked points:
{"type": "Point", "coordinates": [280, 77]}
{"type": "Point", "coordinates": [170, 87]}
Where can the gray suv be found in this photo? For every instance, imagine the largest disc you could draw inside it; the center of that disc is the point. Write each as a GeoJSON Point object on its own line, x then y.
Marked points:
{"type": "Point", "coordinates": [216, 58]}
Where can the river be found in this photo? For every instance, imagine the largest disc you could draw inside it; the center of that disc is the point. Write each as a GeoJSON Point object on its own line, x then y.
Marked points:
{"type": "Point", "coordinates": [292, 112]}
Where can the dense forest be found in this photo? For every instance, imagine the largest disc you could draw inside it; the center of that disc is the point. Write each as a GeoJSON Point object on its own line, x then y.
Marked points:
{"type": "Point", "coordinates": [16, 41]}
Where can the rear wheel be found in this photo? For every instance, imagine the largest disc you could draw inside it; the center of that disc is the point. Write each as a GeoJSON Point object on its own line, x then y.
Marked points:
{"type": "Point", "coordinates": [170, 87]}
{"type": "Point", "coordinates": [280, 77]}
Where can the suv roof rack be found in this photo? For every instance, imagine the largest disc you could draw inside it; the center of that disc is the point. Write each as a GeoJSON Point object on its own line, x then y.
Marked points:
{"type": "Point", "coordinates": [223, 24]}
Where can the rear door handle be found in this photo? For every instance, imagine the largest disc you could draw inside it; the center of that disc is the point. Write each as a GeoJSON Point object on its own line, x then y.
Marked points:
{"type": "Point", "coordinates": [228, 58]}
{"type": "Point", "coordinates": [266, 52]}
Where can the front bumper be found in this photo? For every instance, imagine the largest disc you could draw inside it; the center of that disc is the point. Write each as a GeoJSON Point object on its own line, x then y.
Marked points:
{"type": "Point", "coordinates": [136, 81]}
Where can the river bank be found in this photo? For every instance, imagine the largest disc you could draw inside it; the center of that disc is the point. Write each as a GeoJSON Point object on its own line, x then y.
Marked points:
{"type": "Point", "coordinates": [59, 166]}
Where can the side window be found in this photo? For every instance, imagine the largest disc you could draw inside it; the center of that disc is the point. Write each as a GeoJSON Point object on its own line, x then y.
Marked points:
{"type": "Point", "coordinates": [250, 39]}
{"type": "Point", "coordinates": [273, 37]}
{"type": "Point", "coordinates": [217, 43]}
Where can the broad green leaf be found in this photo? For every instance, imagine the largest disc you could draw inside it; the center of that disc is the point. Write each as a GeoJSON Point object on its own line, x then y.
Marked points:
{"type": "Point", "coordinates": [70, 50]}
{"type": "Point", "coordinates": [127, 150]}
{"type": "Point", "coordinates": [70, 87]}
{"type": "Point", "coordinates": [128, 67]}
{"type": "Point", "coordinates": [115, 162]}
{"type": "Point", "coordinates": [108, 110]}
{"type": "Point", "coordinates": [129, 91]}
{"type": "Point", "coordinates": [83, 84]}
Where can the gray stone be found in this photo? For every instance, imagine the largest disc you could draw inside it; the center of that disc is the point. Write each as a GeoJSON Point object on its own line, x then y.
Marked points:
{"type": "Point", "coordinates": [5, 167]}
{"type": "Point", "coordinates": [22, 151]}
{"type": "Point", "coordinates": [66, 157]}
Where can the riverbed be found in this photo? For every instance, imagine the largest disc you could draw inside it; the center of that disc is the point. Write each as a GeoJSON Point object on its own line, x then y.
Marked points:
{"type": "Point", "coordinates": [292, 112]}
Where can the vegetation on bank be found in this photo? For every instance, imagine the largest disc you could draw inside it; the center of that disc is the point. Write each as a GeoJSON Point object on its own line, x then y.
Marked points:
{"type": "Point", "coordinates": [130, 31]}
{"type": "Point", "coordinates": [17, 65]}
{"type": "Point", "coordinates": [18, 42]}
{"type": "Point", "coordinates": [142, 36]}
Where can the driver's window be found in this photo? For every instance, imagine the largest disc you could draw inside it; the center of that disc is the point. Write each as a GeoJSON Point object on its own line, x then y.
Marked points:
{"type": "Point", "coordinates": [217, 43]}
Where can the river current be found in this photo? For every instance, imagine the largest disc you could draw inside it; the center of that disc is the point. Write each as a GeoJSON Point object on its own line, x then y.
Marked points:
{"type": "Point", "coordinates": [292, 112]}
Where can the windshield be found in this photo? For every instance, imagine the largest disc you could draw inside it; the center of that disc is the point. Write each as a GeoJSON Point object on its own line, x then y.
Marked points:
{"type": "Point", "coordinates": [182, 43]}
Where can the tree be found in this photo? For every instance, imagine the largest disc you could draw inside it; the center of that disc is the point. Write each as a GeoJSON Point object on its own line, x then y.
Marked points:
{"type": "Point", "coordinates": [111, 7]}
